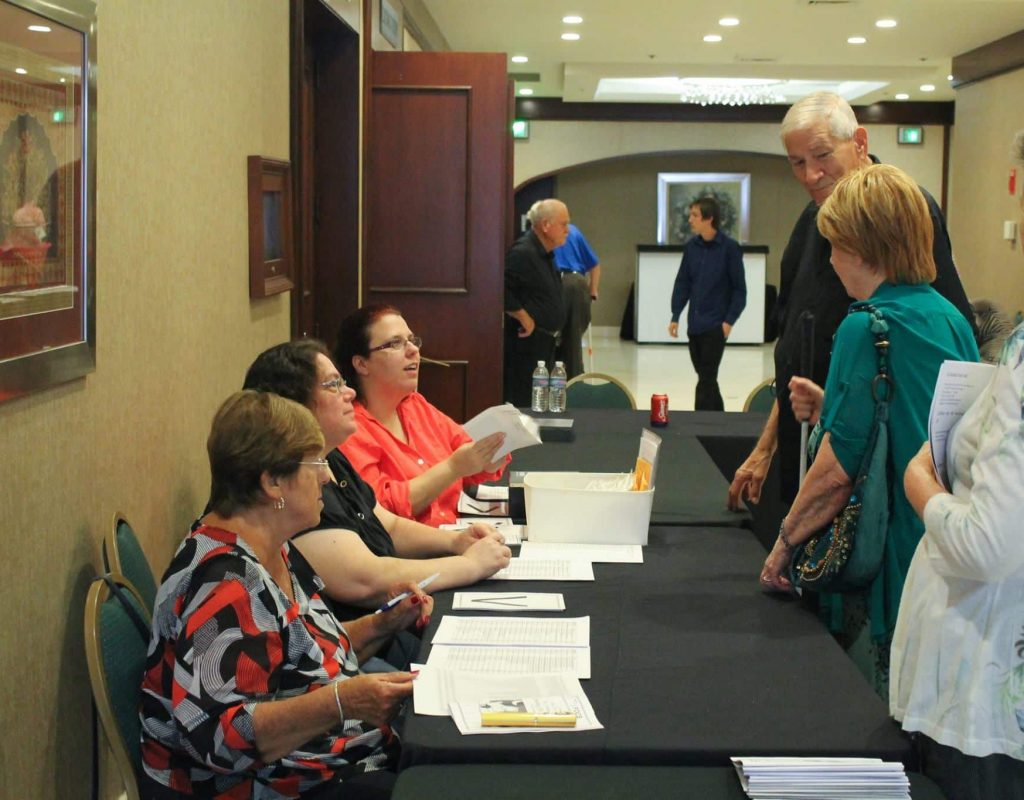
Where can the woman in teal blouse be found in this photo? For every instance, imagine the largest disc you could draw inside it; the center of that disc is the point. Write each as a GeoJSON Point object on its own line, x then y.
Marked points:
{"type": "Point", "coordinates": [877, 222]}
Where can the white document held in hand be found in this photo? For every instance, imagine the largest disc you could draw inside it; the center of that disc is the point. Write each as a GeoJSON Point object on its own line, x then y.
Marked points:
{"type": "Point", "coordinates": [542, 569]}
{"type": "Point", "coordinates": [958, 385]}
{"type": "Point", "coordinates": [519, 429]}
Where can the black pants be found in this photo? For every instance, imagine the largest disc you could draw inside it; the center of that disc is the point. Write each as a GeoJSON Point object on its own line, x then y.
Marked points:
{"type": "Point", "coordinates": [521, 357]}
{"type": "Point", "coordinates": [963, 777]}
{"type": "Point", "coordinates": [706, 351]}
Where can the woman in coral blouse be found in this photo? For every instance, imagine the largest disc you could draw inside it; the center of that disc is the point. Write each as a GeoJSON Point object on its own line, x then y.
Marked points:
{"type": "Point", "coordinates": [416, 458]}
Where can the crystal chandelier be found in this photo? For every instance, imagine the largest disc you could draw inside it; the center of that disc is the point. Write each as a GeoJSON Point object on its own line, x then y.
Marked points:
{"type": "Point", "coordinates": [730, 91]}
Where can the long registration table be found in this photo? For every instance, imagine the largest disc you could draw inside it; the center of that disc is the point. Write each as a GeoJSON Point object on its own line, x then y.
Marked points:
{"type": "Point", "coordinates": [691, 664]}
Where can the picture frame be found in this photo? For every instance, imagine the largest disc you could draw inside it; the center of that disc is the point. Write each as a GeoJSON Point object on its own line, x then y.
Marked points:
{"type": "Point", "coordinates": [47, 193]}
{"type": "Point", "coordinates": [677, 191]}
{"type": "Point", "coordinates": [271, 255]}
{"type": "Point", "coordinates": [390, 24]}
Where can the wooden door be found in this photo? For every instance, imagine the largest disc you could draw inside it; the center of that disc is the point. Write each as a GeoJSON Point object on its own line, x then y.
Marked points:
{"type": "Point", "coordinates": [437, 193]}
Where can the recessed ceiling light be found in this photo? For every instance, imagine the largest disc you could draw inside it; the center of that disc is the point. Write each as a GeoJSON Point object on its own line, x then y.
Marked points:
{"type": "Point", "coordinates": [728, 22]}
{"type": "Point", "coordinates": [39, 28]}
{"type": "Point", "coordinates": [856, 40]}
{"type": "Point", "coordinates": [949, 77]}
{"type": "Point", "coordinates": [712, 37]}
{"type": "Point", "coordinates": [927, 87]}
{"type": "Point", "coordinates": [885, 23]}
{"type": "Point", "coordinates": [570, 37]}
{"type": "Point", "coordinates": [572, 19]}
{"type": "Point", "coordinates": [519, 59]}
{"type": "Point", "coordinates": [21, 70]}
{"type": "Point", "coordinates": [63, 80]}
{"type": "Point", "coordinates": [903, 96]}
{"type": "Point", "coordinates": [526, 91]}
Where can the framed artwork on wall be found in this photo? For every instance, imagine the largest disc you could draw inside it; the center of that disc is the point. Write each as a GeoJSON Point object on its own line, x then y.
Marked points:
{"type": "Point", "coordinates": [271, 257]}
{"type": "Point", "coordinates": [47, 193]}
{"type": "Point", "coordinates": [677, 191]}
{"type": "Point", "coordinates": [391, 24]}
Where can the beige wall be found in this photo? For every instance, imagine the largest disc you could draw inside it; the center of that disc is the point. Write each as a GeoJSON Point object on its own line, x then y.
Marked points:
{"type": "Point", "coordinates": [553, 146]}
{"type": "Point", "coordinates": [987, 115]}
{"type": "Point", "coordinates": [615, 205]}
{"type": "Point", "coordinates": [186, 91]}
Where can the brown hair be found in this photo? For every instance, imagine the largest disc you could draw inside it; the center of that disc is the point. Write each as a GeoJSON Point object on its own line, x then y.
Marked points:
{"type": "Point", "coordinates": [354, 338]}
{"type": "Point", "coordinates": [880, 214]}
{"type": "Point", "coordinates": [709, 209]}
{"type": "Point", "coordinates": [255, 432]}
{"type": "Point", "coordinates": [287, 369]}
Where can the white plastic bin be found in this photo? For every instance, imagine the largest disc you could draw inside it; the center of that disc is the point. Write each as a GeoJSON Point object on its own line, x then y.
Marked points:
{"type": "Point", "coordinates": [559, 508]}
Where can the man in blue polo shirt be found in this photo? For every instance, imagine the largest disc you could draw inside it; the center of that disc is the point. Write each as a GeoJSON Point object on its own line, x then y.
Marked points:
{"type": "Point", "coordinates": [711, 281]}
{"type": "Point", "coordinates": [581, 275]}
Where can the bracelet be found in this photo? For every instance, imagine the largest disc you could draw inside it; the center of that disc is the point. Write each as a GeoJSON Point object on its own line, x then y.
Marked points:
{"type": "Point", "coordinates": [782, 535]}
{"type": "Point", "coordinates": [337, 702]}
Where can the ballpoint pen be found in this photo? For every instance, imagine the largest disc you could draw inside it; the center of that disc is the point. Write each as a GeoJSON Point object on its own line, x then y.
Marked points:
{"type": "Point", "coordinates": [394, 601]}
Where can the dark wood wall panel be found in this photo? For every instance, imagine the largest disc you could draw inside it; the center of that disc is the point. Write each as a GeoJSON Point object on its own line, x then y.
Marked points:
{"type": "Point", "coordinates": [447, 387]}
{"type": "Point", "coordinates": [419, 191]}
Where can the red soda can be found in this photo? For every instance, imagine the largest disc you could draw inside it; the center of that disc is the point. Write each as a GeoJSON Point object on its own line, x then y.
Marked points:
{"type": "Point", "coordinates": [659, 410]}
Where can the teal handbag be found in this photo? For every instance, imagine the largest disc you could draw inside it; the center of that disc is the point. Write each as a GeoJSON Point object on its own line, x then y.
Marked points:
{"type": "Point", "coordinates": [847, 555]}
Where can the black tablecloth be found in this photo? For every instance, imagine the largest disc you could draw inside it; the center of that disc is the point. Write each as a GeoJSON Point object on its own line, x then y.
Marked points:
{"type": "Point", "coordinates": [690, 487]}
{"type": "Point", "coordinates": [511, 782]}
{"type": "Point", "coordinates": [691, 664]}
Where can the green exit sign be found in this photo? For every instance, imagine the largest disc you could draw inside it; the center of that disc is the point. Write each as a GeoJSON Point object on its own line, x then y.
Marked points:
{"type": "Point", "coordinates": [910, 134]}
{"type": "Point", "coordinates": [521, 129]}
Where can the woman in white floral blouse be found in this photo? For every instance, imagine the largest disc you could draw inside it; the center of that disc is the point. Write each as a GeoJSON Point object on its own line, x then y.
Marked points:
{"type": "Point", "coordinates": [957, 659]}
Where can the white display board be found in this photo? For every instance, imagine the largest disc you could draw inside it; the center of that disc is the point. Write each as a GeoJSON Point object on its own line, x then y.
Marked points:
{"type": "Point", "coordinates": [656, 269]}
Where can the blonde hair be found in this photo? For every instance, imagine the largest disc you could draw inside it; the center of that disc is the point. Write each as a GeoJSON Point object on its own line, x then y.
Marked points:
{"type": "Point", "coordinates": [880, 214]}
{"type": "Point", "coordinates": [252, 433]}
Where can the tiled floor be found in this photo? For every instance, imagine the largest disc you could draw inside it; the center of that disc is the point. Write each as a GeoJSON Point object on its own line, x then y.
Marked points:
{"type": "Point", "coordinates": [666, 369]}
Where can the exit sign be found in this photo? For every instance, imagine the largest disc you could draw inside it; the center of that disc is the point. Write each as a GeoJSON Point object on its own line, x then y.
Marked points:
{"type": "Point", "coordinates": [910, 134]}
{"type": "Point", "coordinates": [521, 129]}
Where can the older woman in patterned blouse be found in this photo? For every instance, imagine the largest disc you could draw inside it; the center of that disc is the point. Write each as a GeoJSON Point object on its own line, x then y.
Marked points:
{"type": "Point", "coordinates": [252, 687]}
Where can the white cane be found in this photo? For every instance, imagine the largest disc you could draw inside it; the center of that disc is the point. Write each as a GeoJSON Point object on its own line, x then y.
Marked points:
{"type": "Point", "coordinates": [806, 368]}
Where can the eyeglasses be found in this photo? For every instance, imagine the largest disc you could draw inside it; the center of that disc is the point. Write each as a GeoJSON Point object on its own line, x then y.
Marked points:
{"type": "Point", "coordinates": [398, 343]}
{"type": "Point", "coordinates": [316, 462]}
{"type": "Point", "coordinates": [334, 385]}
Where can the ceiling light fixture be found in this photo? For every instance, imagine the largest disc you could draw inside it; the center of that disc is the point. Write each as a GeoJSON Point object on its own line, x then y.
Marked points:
{"type": "Point", "coordinates": [21, 70]}
{"type": "Point", "coordinates": [571, 37]}
{"type": "Point", "coordinates": [712, 37]}
{"type": "Point", "coordinates": [730, 91]}
{"type": "Point", "coordinates": [572, 19]}
{"type": "Point", "coordinates": [885, 23]}
{"type": "Point", "coordinates": [902, 96]}
{"type": "Point", "coordinates": [39, 28]}
{"type": "Point", "coordinates": [519, 59]}
{"type": "Point", "coordinates": [927, 87]}
{"type": "Point", "coordinates": [949, 77]}
{"type": "Point", "coordinates": [856, 40]}
{"type": "Point", "coordinates": [526, 91]}
{"type": "Point", "coordinates": [728, 22]}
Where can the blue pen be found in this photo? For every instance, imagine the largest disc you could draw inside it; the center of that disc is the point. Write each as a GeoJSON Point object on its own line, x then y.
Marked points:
{"type": "Point", "coordinates": [394, 601]}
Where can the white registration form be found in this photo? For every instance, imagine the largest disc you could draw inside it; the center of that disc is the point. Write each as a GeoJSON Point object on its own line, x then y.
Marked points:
{"type": "Point", "coordinates": [542, 569]}
{"type": "Point", "coordinates": [464, 658]}
{"type": "Point", "coordinates": [603, 553]}
{"type": "Point", "coordinates": [514, 534]}
{"type": "Point", "coordinates": [514, 631]}
{"type": "Point", "coordinates": [958, 385]}
{"type": "Point", "coordinates": [508, 601]}
{"type": "Point", "coordinates": [519, 429]}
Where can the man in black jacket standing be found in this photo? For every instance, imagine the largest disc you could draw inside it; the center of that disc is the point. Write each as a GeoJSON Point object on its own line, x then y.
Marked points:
{"type": "Point", "coordinates": [823, 142]}
{"type": "Point", "coordinates": [533, 298]}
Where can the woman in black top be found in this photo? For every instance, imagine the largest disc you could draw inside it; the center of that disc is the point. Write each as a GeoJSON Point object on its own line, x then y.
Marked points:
{"type": "Point", "coordinates": [360, 549]}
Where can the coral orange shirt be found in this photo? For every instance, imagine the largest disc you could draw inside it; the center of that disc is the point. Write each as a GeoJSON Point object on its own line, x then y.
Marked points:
{"type": "Point", "coordinates": [388, 464]}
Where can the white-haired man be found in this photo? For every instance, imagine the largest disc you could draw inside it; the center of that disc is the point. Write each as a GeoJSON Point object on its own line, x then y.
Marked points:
{"type": "Point", "coordinates": [823, 142]}
{"type": "Point", "coordinates": [533, 298]}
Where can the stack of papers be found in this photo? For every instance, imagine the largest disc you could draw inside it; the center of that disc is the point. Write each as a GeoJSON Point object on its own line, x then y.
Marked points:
{"type": "Point", "coordinates": [543, 569]}
{"type": "Point", "coordinates": [467, 714]}
{"type": "Point", "coordinates": [519, 429]}
{"type": "Point", "coordinates": [508, 601]}
{"type": "Point", "coordinates": [599, 553]}
{"type": "Point", "coordinates": [526, 644]}
{"type": "Point", "coordinates": [483, 508]}
{"type": "Point", "coordinates": [822, 778]}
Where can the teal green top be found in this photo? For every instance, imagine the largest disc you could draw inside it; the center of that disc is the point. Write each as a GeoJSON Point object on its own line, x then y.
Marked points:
{"type": "Point", "coordinates": [925, 329]}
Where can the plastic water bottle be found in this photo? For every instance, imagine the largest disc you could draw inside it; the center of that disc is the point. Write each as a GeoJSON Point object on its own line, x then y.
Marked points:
{"type": "Point", "coordinates": [539, 398]}
{"type": "Point", "coordinates": [556, 394]}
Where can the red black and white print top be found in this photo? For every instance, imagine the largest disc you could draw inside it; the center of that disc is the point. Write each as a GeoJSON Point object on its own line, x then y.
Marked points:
{"type": "Point", "coordinates": [225, 638]}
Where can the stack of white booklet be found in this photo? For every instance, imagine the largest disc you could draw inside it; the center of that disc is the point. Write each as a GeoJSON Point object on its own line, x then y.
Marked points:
{"type": "Point", "coordinates": [519, 429]}
{"type": "Point", "coordinates": [822, 778]}
{"type": "Point", "coordinates": [513, 644]}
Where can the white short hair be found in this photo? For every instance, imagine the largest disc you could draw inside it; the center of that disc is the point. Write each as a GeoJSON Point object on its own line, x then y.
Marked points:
{"type": "Point", "coordinates": [543, 209]}
{"type": "Point", "coordinates": [817, 108]}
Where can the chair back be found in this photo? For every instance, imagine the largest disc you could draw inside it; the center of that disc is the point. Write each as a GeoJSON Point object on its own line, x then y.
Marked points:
{"type": "Point", "coordinates": [122, 554]}
{"type": "Point", "coordinates": [761, 397]}
{"type": "Point", "coordinates": [115, 651]}
{"type": "Point", "coordinates": [597, 390]}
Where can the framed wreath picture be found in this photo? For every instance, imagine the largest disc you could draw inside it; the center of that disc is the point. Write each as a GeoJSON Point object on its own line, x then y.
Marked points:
{"type": "Point", "coordinates": [47, 193]}
{"type": "Point", "coordinates": [677, 191]}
